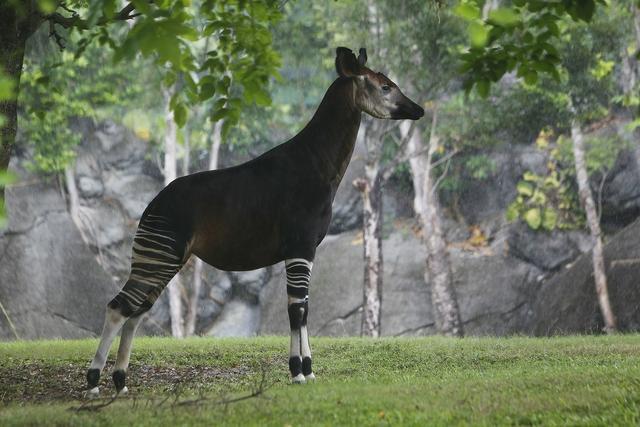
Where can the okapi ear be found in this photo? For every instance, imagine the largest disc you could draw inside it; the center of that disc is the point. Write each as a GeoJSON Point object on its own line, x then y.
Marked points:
{"type": "Point", "coordinates": [346, 63]}
{"type": "Point", "coordinates": [362, 57]}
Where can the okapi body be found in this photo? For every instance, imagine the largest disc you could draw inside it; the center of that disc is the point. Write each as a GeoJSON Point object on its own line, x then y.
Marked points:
{"type": "Point", "coordinates": [276, 207]}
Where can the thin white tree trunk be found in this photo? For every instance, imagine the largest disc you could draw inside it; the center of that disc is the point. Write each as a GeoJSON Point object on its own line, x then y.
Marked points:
{"type": "Point", "coordinates": [74, 199]}
{"type": "Point", "coordinates": [586, 198]}
{"type": "Point", "coordinates": [192, 312]}
{"type": "Point", "coordinates": [370, 188]}
{"type": "Point", "coordinates": [438, 266]}
{"type": "Point", "coordinates": [186, 158]}
{"type": "Point", "coordinates": [194, 298]}
{"type": "Point", "coordinates": [216, 140]}
{"type": "Point", "coordinates": [170, 173]}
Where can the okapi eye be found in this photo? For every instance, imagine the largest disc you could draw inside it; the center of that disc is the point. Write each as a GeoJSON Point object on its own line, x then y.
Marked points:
{"type": "Point", "coordinates": [386, 88]}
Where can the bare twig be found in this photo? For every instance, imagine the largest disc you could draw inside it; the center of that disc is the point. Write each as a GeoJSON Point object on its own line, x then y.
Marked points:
{"type": "Point", "coordinates": [76, 21]}
{"type": "Point", "coordinates": [446, 169]}
{"type": "Point", "coordinates": [401, 156]}
{"type": "Point", "coordinates": [11, 325]}
{"type": "Point", "coordinates": [53, 33]}
{"type": "Point", "coordinates": [174, 397]}
{"type": "Point", "coordinates": [96, 405]}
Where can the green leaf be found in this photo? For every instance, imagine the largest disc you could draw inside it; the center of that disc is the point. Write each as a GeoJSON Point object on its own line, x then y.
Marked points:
{"type": "Point", "coordinates": [483, 88]}
{"type": "Point", "coordinates": [6, 87]}
{"type": "Point", "coordinates": [504, 16]}
{"type": "Point", "coordinates": [478, 34]}
{"type": "Point", "coordinates": [533, 218]}
{"type": "Point", "coordinates": [524, 188]}
{"type": "Point", "coordinates": [550, 219]}
{"type": "Point", "coordinates": [531, 77]}
{"type": "Point", "coordinates": [467, 11]}
{"type": "Point", "coordinates": [207, 91]}
{"type": "Point", "coordinates": [582, 10]}
{"type": "Point", "coordinates": [47, 6]}
{"type": "Point", "coordinates": [219, 114]}
{"type": "Point", "coordinates": [180, 114]}
{"type": "Point", "coordinates": [513, 212]}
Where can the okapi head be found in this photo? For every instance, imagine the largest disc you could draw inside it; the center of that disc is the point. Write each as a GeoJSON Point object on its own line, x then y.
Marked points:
{"type": "Point", "coordinates": [375, 93]}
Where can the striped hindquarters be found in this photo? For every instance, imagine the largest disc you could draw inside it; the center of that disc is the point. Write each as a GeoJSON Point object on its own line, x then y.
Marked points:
{"type": "Point", "coordinates": [157, 256]}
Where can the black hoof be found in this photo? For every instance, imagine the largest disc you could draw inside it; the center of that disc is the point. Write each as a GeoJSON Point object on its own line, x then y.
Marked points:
{"type": "Point", "coordinates": [119, 378]}
{"type": "Point", "coordinates": [306, 366]}
{"type": "Point", "coordinates": [93, 378]}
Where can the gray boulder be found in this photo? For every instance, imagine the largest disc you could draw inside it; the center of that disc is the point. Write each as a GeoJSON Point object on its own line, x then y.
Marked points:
{"type": "Point", "coordinates": [621, 192]}
{"type": "Point", "coordinates": [548, 250]}
{"type": "Point", "coordinates": [567, 302]}
{"type": "Point", "coordinates": [51, 286]}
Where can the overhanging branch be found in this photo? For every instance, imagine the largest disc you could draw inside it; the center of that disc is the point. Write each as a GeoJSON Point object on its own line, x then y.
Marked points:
{"type": "Point", "coordinates": [76, 21]}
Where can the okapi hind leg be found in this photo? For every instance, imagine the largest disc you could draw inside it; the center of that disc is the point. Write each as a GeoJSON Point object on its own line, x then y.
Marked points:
{"type": "Point", "coordinates": [158, 254]}
{"type": "Point", "coordinates": [124, 353]}
{"type": "Point", "coordinates": [114, 319]}
{"type": "Point", "coordinates": [298, 276]}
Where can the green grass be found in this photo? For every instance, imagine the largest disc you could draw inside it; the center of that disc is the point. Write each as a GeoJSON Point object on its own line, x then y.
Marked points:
{"type": "Point", "coordinates": [419, 381]}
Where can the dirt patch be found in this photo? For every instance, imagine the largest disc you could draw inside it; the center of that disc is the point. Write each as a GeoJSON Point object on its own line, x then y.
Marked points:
{"type": "Point", "coordinates": [41, 383]}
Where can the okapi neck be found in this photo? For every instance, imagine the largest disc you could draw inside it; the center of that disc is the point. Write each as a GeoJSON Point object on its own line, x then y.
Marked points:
{"type": "Point", "coordinates": [331, 134]}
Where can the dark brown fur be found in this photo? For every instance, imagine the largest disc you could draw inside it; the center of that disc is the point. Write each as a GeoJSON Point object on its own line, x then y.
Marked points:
{"type": "Point", "coordinates": [274, 207]}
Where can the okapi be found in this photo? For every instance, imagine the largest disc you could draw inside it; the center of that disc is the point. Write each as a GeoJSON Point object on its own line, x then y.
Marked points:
{"type": "Point", "coordinates": [276, 207]}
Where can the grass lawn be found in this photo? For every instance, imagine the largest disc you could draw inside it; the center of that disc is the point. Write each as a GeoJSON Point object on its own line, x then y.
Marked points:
{"type": "Point", "coordinates": [390, 381]}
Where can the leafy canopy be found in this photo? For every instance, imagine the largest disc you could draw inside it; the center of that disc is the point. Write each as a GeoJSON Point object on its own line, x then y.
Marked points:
{"type": "Point", "coordinates": [168, 32]}
{"type": "Point", "coordinates": [520, 37]}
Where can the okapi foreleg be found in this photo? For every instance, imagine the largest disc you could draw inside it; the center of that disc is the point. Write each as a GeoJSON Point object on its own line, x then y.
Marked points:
{"type": "Point", "coordinates": [298, 276]}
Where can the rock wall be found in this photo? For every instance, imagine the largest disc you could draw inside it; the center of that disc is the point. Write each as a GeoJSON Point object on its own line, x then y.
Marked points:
{"type": "Point", "coordinates": [56, 277]}
{"type": "Point", "coordinates": [51, 285]}
{"type": "Point", "coordinates": [494, 289]}
{"type": "Point", "coordinates": [567, 302]}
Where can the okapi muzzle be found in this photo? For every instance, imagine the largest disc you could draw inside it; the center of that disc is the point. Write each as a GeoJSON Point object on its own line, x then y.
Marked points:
{"type": "Point", "coordinates": [274, 208]}
{"type": "Point", "coordinates": [406, 109]}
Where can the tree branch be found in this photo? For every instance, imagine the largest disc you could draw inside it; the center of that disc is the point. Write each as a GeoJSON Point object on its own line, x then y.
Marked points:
{"type": "Point", "coordinates": [446, 158]}
{"type": "Point", "coordinates": [75, 21]}
{"type": "Point", "coordinates": [401, 156]}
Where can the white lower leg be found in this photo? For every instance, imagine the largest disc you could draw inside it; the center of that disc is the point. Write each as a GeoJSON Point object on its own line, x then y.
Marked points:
{"type": "Point", "coordinates": [295, 361]}
{"type": "Point", "coordinates": [112, 324]}
{"type": "Point", "coordinates": [126, 340]}
{"type": "Point", "coordinates": [124, 353]}
{"type": "Point", "coordinates": [305, 349]}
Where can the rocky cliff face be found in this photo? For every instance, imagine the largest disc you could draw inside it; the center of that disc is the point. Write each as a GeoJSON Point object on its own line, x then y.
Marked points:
{"type": "Point", "coordinates": [51, 285]}
{"type": "Point", "coordinates": [56, 276]}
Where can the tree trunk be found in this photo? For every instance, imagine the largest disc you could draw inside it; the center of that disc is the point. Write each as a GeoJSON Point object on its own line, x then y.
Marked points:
{"type": "Point", "coordinates": [630, 65]}
{"type": "Point", "coordinates": [192, 312]}
{"type": "Point", "coordinates": [186, 158]}
{"type": "Point", "coordinates": [438, 266]}
{"type": "Point", "coordinates": [192, 309]}
{"type": "Point", "coordinates": [18, 23]}
{"type": "Point", "coordinates": [170, 173]}
{"type": "Point", "coordinates": [370, 188]}
{"type": "Point", "coordinates": [74, 199]}
{"type": "Point", "coordinates": [586, 198]}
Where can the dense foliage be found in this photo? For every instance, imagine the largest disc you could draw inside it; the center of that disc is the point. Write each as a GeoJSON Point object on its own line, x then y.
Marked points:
{"type": "Point", "coordinates": [217, 60]}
